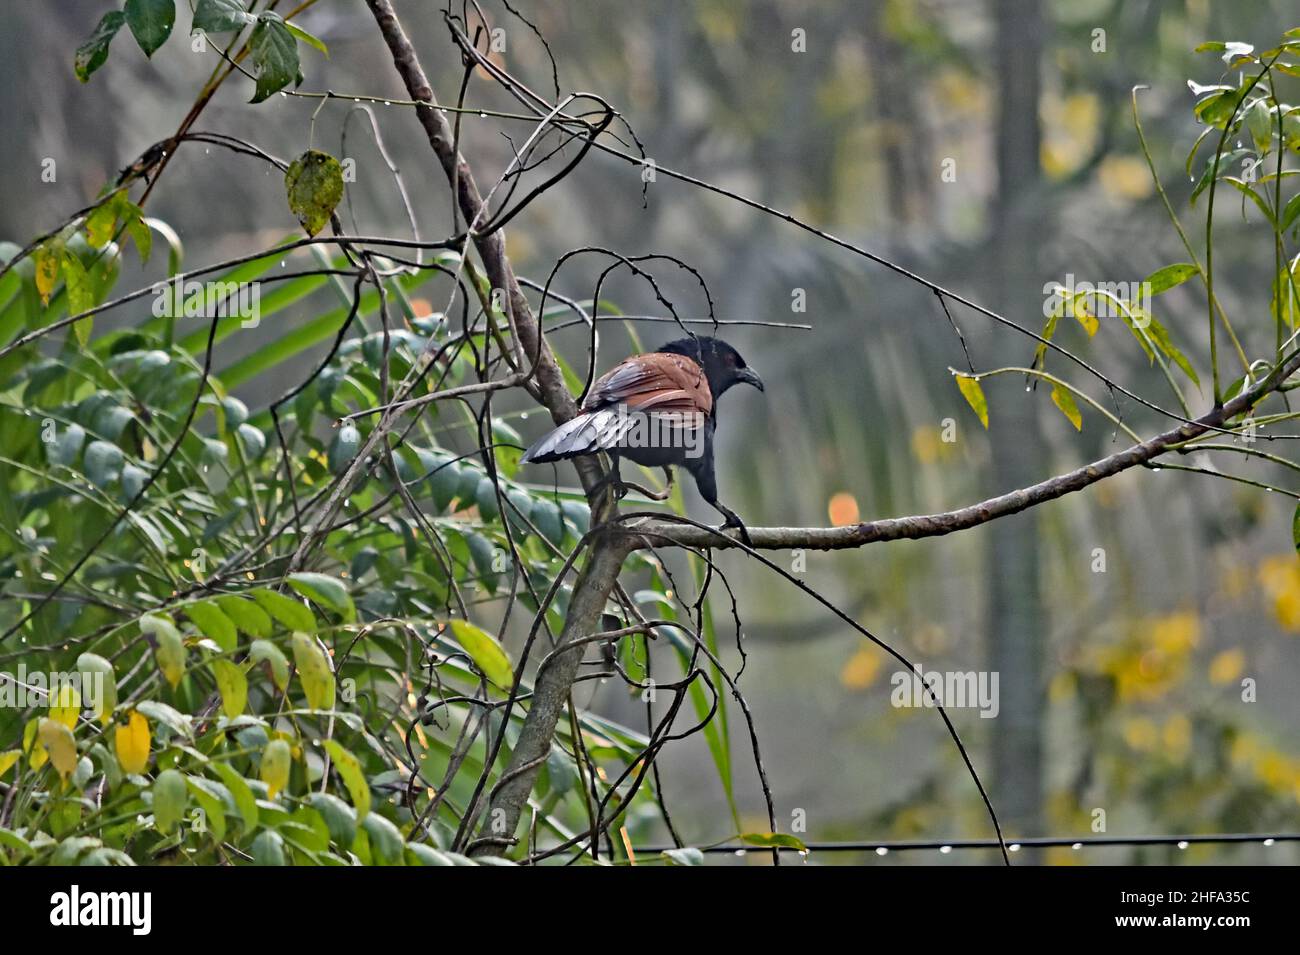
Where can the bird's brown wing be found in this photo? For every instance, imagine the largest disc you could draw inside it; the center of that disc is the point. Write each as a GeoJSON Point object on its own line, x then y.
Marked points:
{"type": "Point", "coordinates": [657, 381]}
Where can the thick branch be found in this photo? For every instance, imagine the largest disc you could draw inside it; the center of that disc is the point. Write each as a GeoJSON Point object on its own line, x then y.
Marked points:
{"type": "Point", "coordinates": [492, 246]}
{"type": "Point", "coordinates": [658, 533]}
{"type": "Point", "coordinates": [551, 691]}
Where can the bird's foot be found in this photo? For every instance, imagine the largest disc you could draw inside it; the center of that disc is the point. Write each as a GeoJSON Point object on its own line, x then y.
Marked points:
{"type": "Point", "coordinates": [614, 484]}
{"type": "Point", "coordinates": [734, 521]}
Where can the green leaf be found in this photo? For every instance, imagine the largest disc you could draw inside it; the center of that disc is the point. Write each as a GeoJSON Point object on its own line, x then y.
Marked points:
{"type": "Point", "coordinates": [1259, 120]}
{"type": "Point", "coordinates": [221, 16]}
{"type": "Point", "coordinates": [150, 22]}
{"type": "Point", "coordinates": [265, 650]}
{"type": "Point", "coordinates": [340, 818]}
{"type": "Point", "coordinates": [314, 671]}
{"type": "Point", "coordinates": [169, 716]}
{"type": "Point", "coordinates": [102, 463]}
{"type": "Point", "coordinates": [291, 614]}
{"type": "Point", "coordinates": [275, 54]}
{"type": "Point", "coordinates": [343, 448]}
{"type": "Point", "coordinates": [428, 855]}
{"type": "Point", "coordinates": [773, 839]}
{"type": "Point", "coordinates": [1290, 212]}
{"type": "Point", "coordinates": [213, 623]}
{"type": "Point", "coordinates": [65, 447]}
{"type": "Point", "coordinates": [327, 591]}
{"type": "Point", "coordinates": [486, 652]}
{"type": "Point", "coordinates": [246, 615]}
{"type": "Point", "coordinates": [485, 496]}
{"type": "Point", "coordinates": [233, 686]}
{"type": "Point", "coordinates": [687, 856]}
{"type": "Point", "coordinates": [170, 796]}
{"type": "Point", "coordinates": [1062, 398]}
{"type": "Point", "coordinates": [1295, 527]}
{"type": "Point", "coordinates": [268, 848]}
{"type": "Point", "coordinates": [385, 839]}
{"type": "Point", "coordinates": [240, 791]}
{"type": "Point", "coordinates": [92, 53]}
{"type": "Point", "coordinates": [314, 184]}
{"type": "Point", "coordinates": [309, 39]}
{"type": "Point", "coordinates": [969, 386]}
{"type": "Point", "coordinates": [81, 296]}
{"type": "Point", "coordinates": [349, 767]}
{"type": "Point", "coordinates": [1161, 280]}
{"type": "Point", "coordinates": [209, 797]}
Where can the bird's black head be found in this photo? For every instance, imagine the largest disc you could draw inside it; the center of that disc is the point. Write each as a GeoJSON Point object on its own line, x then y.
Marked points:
{"type": "Point", "coordinates": [722, 364]}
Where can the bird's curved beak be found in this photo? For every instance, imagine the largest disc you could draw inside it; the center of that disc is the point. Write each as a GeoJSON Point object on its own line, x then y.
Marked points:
{"type": "Point", "coordinates": [750, 377]}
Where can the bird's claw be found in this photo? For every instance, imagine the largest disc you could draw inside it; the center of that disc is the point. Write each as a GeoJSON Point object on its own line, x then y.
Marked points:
{"type": "Point", "coordinates": [734, 521]}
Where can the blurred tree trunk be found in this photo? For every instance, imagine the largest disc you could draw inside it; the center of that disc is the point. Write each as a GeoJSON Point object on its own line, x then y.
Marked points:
{"type": "Point", "coordinates": [903, 141]}
{"type": "Point", "coordinates": [1015, 615]}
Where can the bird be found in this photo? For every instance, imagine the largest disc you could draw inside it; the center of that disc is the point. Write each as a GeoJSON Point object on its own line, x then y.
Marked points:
{"type": "Point", "coordinates": [657, 409]}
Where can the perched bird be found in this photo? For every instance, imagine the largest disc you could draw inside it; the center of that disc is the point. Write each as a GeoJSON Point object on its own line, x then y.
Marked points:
{"type": "Point", "coordinates": [658, 409]}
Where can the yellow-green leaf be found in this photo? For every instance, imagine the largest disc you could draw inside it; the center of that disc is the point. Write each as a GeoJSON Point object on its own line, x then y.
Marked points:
{"type": "Point", "coordinates": [314, 183]}
{"type": "Point", "coordinates": [57, 741]}
{"type": "Point", "coordinates": [970, 389]}
{"type": "Point", "coordinates": [169, 650]}
{"type": "Point", "coordinates": [1162, 280]}
{"type": "Point", "coordinates": [132, 743]}
{"type": "Point", "coordinates": [1077, 305]}
{"type": "Point", "coordinates": [276, 759]}
{"type": "Point", "coordinates": [48, 260]}
{"type": "Point", "coordinates": [265, 650]}
{"type": "Point", "coordinates": [65, 705]}
{"type": "Point", "coordinates": [81, 296]}
{"type": "Point", "coordinates": [349, 768]}
{"type": "Point", "coordinates": [233, 686]}
{"type": "Point", "coordinates": [36, 754]}
{"type": "Point", "coordinates": [1062, 398]}
{"type": "Point", "coordinates": [314, 670]}
{"type": "Point", "coordinates": [291, 614]}
{"type": "Point", "coordinates": [490, 656]}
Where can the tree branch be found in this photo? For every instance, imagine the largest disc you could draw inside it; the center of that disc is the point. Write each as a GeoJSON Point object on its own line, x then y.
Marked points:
{"type": "Point", "coordinates": [648, 529]}
{"type": "Point", "coordinates": [592, 589]}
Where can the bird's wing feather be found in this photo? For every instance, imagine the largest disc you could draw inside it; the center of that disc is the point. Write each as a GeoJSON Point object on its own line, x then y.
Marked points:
{"type": "Point", "coordinates": [657, 381]}
{"type": "Point", "coordinates": [669, 386]}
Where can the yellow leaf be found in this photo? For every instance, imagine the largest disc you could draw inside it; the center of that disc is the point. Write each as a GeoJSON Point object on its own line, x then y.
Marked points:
{"type": "Point", "coordinates": [314, 669]}
{"type": "Point", "coordinates": [36, 755]}
{"type": "Point", "coordinates": [970, 389]}
{"type": "Point", "coordinates": [1078, 307]}
{"type": "Point", "coordinates": [861, 669]}
{"type": "Point", "coordinates": [132, 743]}
{"type": "Point", "coordinates": [8, 758]}
{"type": "Point", "coordinates": [58, 742]}
{"type": "Point", "coordinates": [65, 705]}
{"type": "Point", "coordinates": [1065, 401]}
{"type": "Point", "coordinates": [1227, 666]}
{"type": "Point", "coordinates": [48, 259]}
{"type": "Point", "coordinates": [275, 766]}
